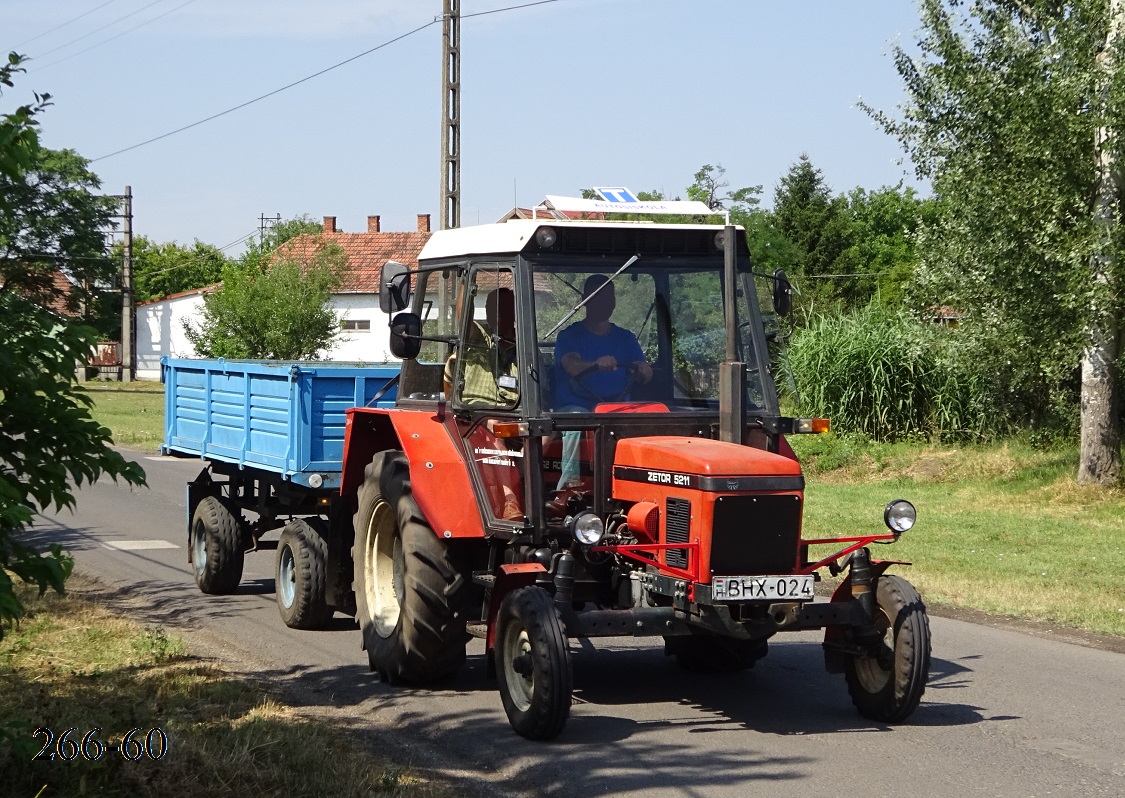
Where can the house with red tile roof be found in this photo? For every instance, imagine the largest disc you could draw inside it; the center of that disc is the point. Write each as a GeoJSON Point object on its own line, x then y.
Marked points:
{"type": "Point", "coordinates": [366, 334]}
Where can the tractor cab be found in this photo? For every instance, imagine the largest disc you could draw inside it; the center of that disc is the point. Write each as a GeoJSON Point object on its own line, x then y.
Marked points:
{"type": "Point", "coordinates": [549, 342]}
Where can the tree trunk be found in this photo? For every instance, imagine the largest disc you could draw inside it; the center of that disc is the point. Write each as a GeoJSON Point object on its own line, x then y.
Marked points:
{"type": "Point", "coordinates": [1099, 459]}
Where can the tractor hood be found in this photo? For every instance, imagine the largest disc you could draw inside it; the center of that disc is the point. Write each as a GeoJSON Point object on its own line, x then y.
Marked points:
{"type": "Point", "coordinates": [700, 457]}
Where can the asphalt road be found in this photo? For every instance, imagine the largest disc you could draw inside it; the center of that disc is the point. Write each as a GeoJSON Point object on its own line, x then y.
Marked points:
{"type": "Point", "coordinates": [1005, 713]}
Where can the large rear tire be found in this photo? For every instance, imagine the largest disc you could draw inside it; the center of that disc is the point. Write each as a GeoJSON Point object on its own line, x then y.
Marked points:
{"type": "Point", "coordinates": [533, 664]}
{"type": "Point", "coordinates": [888, 685]}
{"type": "Point", "coordinates": [217, 551]}
{"type": "Point", "coordinates": [411, 594]}
{"type": "Point", "coordinates": [715, 653]}
{"type": "Point", "coordinates": [302, 576]}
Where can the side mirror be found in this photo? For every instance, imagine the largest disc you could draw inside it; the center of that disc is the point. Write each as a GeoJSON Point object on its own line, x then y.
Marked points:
{"type": "Point", "coordinates": [782, 293]}
{"type": "Point", "coordinates": [394, 292]}
{"type": "Point", "coordinates": [406, 331]}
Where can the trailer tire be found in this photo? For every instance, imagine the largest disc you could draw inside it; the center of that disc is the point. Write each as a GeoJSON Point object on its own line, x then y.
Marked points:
{"type": "Point", "coordinates": [533, 664]}
{"type": "Point", "coordinates": [411, 594]}
{"type": "Point", "coordinates": [217, 550]}
{"type": "Point", "coordinates": [888, 687]}
{"type": "Point", "coordinates": [715, 653]}
{"type": "Point", "coordinates": [302, 575]}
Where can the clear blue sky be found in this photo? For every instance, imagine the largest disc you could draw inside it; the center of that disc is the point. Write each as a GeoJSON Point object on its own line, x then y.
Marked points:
{"type": "Point", "coordinates": [555, 98]}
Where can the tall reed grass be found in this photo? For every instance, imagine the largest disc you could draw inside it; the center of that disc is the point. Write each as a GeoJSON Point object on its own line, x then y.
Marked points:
{"type": "Point", "coordinates": [887, 376]}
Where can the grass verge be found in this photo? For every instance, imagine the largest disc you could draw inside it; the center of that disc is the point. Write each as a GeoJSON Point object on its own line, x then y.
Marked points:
{"type": "Point", "coordinates": [133, 412]}
{"type": "Point", "coordinates": [72, 663]}
{"type": "Point", "coordinates": [1004, 529]}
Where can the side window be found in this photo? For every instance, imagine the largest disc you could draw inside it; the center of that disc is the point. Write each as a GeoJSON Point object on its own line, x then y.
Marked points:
{"type": "Point", "coordinates": [422, 377]}
{"type": "Point", "coordinates": [485, 369]}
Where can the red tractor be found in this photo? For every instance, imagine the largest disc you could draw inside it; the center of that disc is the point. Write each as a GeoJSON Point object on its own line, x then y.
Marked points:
{"type": "Point", "coordinates": [526, 493]}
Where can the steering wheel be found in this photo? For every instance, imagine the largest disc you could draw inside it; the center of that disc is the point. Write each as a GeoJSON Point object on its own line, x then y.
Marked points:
{"type": "Point", "coordinates": [580, 388]}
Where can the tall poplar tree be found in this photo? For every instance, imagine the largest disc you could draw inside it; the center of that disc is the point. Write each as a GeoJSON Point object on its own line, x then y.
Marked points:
{"type": "Point", "coordinates": [1013, 111]}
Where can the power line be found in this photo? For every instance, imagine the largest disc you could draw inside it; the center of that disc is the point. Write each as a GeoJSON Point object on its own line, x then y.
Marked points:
{"type": "Point", "coordinates": [264, 96]}
{"type": "Point", "coordinates": [240, 106]}
{"type": "Point", "coordinates": [103, 27]}
{"type": "Point", "coordinates": [63, 25]}
{"type": "Point", "coordinates": [509, 8]}
{"type": "Point", "coordinates": [115, 36]}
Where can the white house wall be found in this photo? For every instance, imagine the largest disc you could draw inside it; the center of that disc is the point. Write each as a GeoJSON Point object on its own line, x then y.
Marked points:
{"type": "Point", "coordinates": [160, 331]}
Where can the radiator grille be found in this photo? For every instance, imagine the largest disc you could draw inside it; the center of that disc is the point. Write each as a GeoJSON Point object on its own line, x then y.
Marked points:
{"type": "Point", "coordinates": [677, 515]}
{"type": "Point", "coordinates": [755, 535]}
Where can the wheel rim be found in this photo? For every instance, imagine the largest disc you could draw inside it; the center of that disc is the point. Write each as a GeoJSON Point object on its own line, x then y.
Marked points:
{"type": "Point", "coordinates": [873, 677]}
{"type": "Point", "coordinates": [287, 577]}
{"type": "Point", "coordinates": [199, 547]}
{"type": "Point", "coordinates": [383, 571]}
{"type": "Point", "coordinates": [517, 645]}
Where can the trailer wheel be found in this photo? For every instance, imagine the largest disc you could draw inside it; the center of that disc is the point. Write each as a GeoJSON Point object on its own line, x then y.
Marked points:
{"type": "Point", "coordinates": [302, 576]}
{"type": "Point", "coordinates": [888, 685]}
{"type": "Point", "coordinates": [217, 552]}
{"type": "Point", "coordinates": [533, 665]}
{"type": "Point", "coordinates": [715, 653]}
{"type": "Point", "coordinates": [410, 592]}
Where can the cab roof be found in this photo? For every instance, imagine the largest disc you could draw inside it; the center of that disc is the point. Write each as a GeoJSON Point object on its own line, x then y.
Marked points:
{"type": "Point", "coordinates": [512, 236]}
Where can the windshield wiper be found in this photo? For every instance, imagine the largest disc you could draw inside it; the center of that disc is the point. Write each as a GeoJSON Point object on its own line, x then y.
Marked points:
{"type": "Point", "coordinates": [593, 294]}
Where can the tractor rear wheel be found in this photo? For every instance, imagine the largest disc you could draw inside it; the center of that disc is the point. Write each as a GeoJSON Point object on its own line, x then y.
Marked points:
{"type": "Point", "coordinates": [302, 575]}
{"type": "Point", "coordinates": [888, 685]}
{"type": "Point", "coordinates": [411, 594]}
{"type": "Point", "coordinates": [217, 551]}
{"type": "Point", "coordinates": [715, 653]}
{"type": "Point", "coordinates": [533, 665]}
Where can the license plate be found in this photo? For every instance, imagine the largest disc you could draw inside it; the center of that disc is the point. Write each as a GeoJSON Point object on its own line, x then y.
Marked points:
{"type": "Point", "coordinates": [762, 588]}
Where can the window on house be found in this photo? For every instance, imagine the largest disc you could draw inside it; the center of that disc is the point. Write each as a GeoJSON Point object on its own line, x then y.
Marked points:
{"type": "Point", "coordinates": [357, 325]}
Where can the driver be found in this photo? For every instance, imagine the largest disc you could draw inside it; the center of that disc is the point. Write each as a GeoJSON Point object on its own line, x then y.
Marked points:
{"type": "Point", "coordinates": [594, 359]}
{"type": "Point", "coordinates": [598, 346]}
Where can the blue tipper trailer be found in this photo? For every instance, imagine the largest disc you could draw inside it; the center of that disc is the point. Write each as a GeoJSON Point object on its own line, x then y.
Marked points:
{"type": "Point", "coordinates": [271, 436]}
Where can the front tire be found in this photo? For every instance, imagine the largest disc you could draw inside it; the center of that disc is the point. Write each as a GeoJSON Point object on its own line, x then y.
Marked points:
{"type": "Point", "coordinates": [410, 592]}
{"type": "Point", "coordinates": [217, 553]}
{"type": "Point", "coordinates": [302, 576]}
{"type": "Point", "coordinates": [533, 665]}
{"type": "Point", "coordinates": [888, 685]}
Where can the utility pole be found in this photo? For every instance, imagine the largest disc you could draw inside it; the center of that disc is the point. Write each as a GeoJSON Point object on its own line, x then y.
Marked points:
{"type": "Point", "coordinates": [451, 116]}
{"type": "Point", "coordinates": [265, 223]}
{"type": "Point", "coordinates": [127, 286]}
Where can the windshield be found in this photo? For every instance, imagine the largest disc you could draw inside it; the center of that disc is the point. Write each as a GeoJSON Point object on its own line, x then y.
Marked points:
{"type": "Point", "coordinates": [655, 334]}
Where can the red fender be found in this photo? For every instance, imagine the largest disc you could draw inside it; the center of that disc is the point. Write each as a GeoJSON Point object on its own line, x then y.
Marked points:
{"type": "Point", "coordinates": [512, 576]}
{"type": "Point", "coordinates": [439, 475]}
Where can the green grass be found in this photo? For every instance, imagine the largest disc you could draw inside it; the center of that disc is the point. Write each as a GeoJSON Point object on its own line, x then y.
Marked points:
{"type": "Point", "coordinates": [1003, 529]}
{"type": "Point", "coordinates": [72, 663]}
{"type": "Point", "coordinates": [133, 412]}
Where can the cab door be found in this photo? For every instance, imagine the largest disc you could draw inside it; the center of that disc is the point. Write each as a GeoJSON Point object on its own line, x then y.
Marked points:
{"type": "Point", "coordinates": [486, 395]}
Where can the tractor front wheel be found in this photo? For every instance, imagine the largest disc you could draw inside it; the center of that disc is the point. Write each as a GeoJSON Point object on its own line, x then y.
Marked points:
{"type": "Point", "coordinates": [533, 665]}
{"type": "Point", "coordinates": [887, 684]}
{"type": "Point", "coordinates": [411, 594]}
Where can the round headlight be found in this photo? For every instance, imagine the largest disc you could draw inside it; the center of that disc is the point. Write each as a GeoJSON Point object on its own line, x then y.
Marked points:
{"type": "Point", "coordinates": [588, 528]}
{"type": "Point", "coordinates": [899, 516]}
{"type": "Point", "coordinates": [546, 237]}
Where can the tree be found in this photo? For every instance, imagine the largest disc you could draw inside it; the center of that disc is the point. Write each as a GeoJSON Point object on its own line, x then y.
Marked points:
{"type": "Point", "coordinates": [1013, 112]}
{"type": "Point", "coordinates": [817, 225]}
{"type": "Point", "coordinates": [168, 268]}
{"type": "Point", "coordinates": [880, 258]}
{"type": "Point", "coordinates": [50, 444]}
{"type": "Point", "coordinates": [274, 309]}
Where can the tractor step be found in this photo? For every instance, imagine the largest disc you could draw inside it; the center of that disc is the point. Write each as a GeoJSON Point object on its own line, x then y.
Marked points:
{"type": "Point", "coordinates": [477, 629]}
{"type": "Point", "coordinates": [484, 579]}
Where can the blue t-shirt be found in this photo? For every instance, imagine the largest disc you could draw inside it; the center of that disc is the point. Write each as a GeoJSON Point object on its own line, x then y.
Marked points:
{"type": "Point", "coordinates": [577, 338]}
